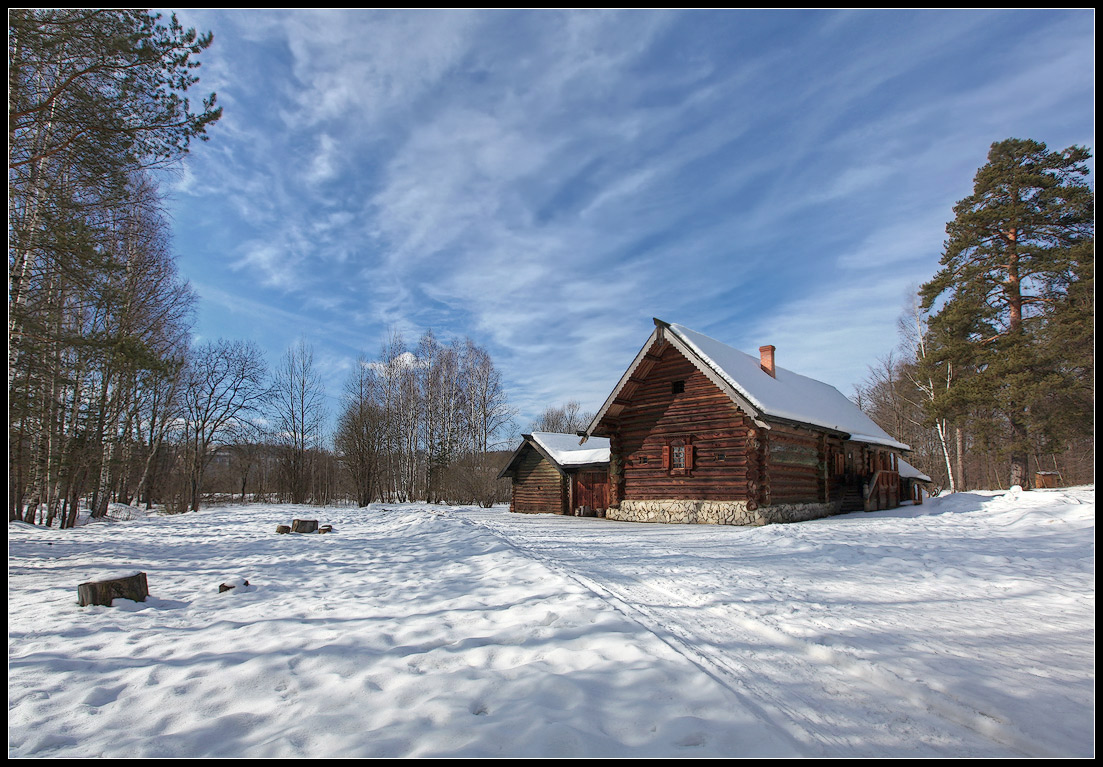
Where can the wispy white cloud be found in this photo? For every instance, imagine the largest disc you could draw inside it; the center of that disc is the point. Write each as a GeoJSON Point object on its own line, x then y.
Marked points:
{"type": "Point", "coordinates": [324, 165]}
{"type": "Point", "coordinates": [546, 182]}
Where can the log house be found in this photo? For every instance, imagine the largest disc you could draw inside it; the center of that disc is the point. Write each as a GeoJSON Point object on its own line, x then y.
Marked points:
{"type": "Point", "coordinates": [701, 432]}
{"type": "Point", "coordinates": [555, 474]}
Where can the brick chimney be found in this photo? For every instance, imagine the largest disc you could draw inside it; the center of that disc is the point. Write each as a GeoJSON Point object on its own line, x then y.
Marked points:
{"type": "Point", "coordinates": [766, 359]}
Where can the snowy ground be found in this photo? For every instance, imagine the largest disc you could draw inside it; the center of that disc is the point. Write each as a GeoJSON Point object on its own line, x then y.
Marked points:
{"type": "Point", "coordinates": [963, 627]}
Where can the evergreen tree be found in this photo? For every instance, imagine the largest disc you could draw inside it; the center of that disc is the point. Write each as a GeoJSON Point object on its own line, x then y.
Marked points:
{"type": "Point", "coordinates": [1010, 297]}
{"type": "Point", "coordinates": [93, 96]}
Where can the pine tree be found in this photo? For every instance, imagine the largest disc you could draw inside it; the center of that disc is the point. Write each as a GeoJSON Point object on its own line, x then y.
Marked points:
{"type": "Point", "coordinates": [1009, 295]}
{"type": "Point", "coordinates": [93, 96]}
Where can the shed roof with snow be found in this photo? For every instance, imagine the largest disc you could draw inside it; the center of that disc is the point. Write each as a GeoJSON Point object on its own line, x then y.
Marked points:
{"type": "Point", "coordinates": [563, 451]}
{"type": "Point", "coordinates": [907, 471]}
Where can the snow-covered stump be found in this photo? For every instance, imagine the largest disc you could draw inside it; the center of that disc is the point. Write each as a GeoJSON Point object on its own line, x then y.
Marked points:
{"type": "Point", "coordinates": [283, 529]}
{"type": "Point", "coordinates": [132, 587]}
{"type": "Point", "coordinates": [304, 525]}
{"type": "Point", "coordinates": [233, 584]}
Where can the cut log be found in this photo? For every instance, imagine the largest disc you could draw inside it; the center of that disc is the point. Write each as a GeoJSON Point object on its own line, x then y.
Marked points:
{"type": "Point", "coordinates": [304, 525]}
{"type": "Point", "coordinates": [133, 587]}
{"type": "Point", "coordinates": [325, 529]}
{"type": "Point", "coordinates": [283, 529]}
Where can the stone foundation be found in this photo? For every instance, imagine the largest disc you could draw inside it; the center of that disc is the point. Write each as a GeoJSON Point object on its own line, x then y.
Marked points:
{"type": "Point", "coordinates": [690, 512]}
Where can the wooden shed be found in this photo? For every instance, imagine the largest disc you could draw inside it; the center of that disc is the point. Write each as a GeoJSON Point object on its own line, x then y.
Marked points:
{"type": "Point", "coordinates": [701, 432]}
{"type": "Point", "coordinates": [554, 474]}
{"type": "Point", "coordinates": [914, 484]}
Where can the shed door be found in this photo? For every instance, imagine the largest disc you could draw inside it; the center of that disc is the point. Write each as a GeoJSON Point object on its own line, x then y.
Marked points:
{"type": "Point", "coordinates": [591, 488]}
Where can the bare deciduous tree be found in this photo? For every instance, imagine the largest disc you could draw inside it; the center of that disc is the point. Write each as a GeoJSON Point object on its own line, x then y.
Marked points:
{"type": "Point", "coordinates": [566, 419]}
{"type": "Point", "coordinates": [360, 430]}
{"type": "Point", "coordinates": [299, 408]}
{"type": "Point", "coordinates": [225, 381]}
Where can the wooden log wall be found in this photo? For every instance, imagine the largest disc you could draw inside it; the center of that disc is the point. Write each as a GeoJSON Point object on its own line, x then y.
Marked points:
{"type": "Point", "coordinates": [721, 466]}
{"type": "Point", "coordinates": [797, 465]}
{"type": "Point", "coordinates": [538, 487]}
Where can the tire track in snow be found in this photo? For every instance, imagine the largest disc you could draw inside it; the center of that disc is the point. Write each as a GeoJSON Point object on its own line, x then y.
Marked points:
{"type": "Point", "coordinates": [818, 713]}
{"type": "Point", "coordinates": [668, 635]}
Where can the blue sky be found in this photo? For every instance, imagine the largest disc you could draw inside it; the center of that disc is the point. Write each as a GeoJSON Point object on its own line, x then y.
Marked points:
{"type": "Point", "coordinates": [547, 182]}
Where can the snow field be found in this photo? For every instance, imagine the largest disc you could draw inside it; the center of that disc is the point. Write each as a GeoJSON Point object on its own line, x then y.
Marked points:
{"type": "Point", "coordinates": [403, 633]}
{"type": "Point", "coordinates": [963, 627]}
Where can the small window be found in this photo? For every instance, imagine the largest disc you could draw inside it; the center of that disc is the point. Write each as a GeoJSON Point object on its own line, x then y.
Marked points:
{"type": "Point", "coordinates": [721, 457]}
{"type": "Point", "coordinates": [643, 459]}
{"type": "Point", "coordinates": [678, 457]}
{"type": "Point", "coordinates": [677, 387]}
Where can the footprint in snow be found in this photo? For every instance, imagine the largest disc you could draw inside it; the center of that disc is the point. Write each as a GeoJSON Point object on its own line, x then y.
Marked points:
{"type": "Point", "coordinates": [693, 740]}
{"type": "Point", "coordinates": [101, 696]}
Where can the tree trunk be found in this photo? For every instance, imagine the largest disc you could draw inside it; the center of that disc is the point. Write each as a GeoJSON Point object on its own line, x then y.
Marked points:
{"type": "Point", "coordinates": [1019, 457]}
{"type": "Point", "coordinates": [960, 458]}
{"type": "Point", "coordinates": [940, 427]}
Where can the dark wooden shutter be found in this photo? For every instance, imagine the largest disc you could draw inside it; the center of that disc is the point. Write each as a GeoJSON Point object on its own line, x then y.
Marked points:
{"type": "Point", "coordinates": [666, 457]}
{"type": "Point", "coordinates": [689, 457]}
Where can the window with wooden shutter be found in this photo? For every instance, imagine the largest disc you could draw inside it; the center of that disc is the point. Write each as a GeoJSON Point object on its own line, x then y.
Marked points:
{"type": "Point", "coordinates": [678, 457]}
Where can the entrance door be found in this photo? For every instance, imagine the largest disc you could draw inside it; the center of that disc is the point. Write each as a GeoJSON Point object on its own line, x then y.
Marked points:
{"type": "Point", "coordinates": [591, 489]}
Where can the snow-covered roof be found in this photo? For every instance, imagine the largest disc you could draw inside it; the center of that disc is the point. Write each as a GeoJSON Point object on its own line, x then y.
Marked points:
{"type": "Point", "coordinates": [786, 395]}
{"type": "Point", "coordinates": [563, 450]}
{"type": "Point", "coordinates": [566, 451]}
{"type": "Point", "coordinates": [907, 471]}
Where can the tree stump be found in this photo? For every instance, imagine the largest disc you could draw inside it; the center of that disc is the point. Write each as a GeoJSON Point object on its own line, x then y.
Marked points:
{"type": "Point", "coordinates": [325, 529]}
{"type": "Point", "coordinates": [304, 525]}
{"type": "Point", "coordinates": [223, 587]}
{"type": "Point", "coordinates": [281, 529]}
{"type": "Point", "coordinates": [133, 587]}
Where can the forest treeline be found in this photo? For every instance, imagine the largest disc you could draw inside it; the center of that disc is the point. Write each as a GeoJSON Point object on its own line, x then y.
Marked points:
{"type": "Point", "coordinates": [97, 313]}
{"type": "Point", "coordinates": [993, 383]}
{"type": "Point", "coordinates": [109, 400]}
